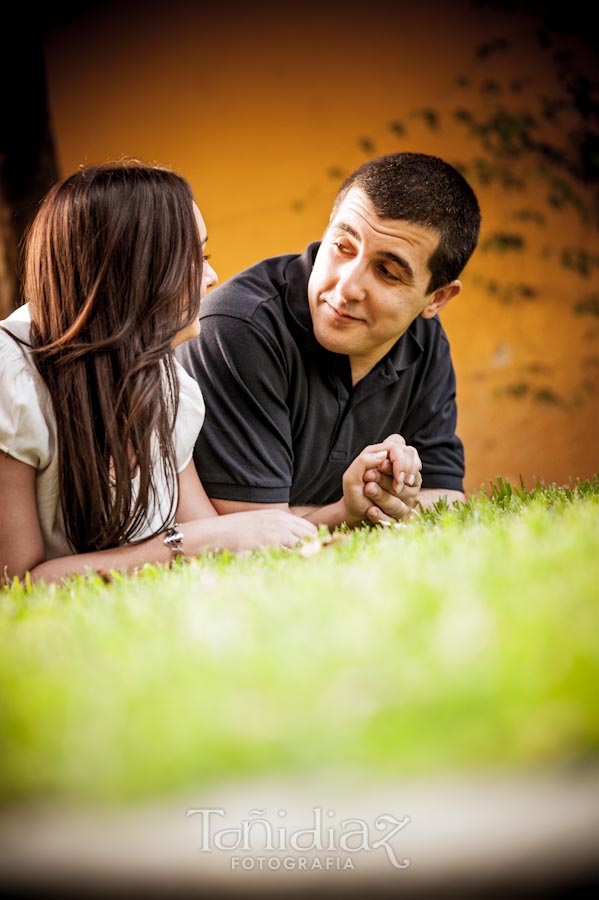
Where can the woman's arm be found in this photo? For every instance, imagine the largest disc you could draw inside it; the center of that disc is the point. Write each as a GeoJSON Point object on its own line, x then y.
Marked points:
{"type": "Point", "coordinates": [193, 499]}
{"type": "Point", "coordinates": [22, 546]}
{"type": "Point", "coordinates": [21, 541]}
{"type": "Point", "coordinates": [204, 526]}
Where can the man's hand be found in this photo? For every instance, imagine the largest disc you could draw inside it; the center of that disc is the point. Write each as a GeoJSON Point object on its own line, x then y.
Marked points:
{"type": "Point", "coordinates": [393, 487]}
{"type": "Point", "coordinates": [383, 482]}
{"type": "Point", "coordinates": [355, 503]}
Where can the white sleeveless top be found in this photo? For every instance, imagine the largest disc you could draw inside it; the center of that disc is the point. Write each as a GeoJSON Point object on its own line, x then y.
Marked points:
{"type": "Point", "coordinates": [28, 433]}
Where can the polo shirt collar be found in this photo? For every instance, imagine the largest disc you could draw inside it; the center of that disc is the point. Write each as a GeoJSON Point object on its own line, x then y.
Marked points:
{"type": "Point", "coordinates": [297, 274]}
{"type": "Point", "coordinates": [406, 350]}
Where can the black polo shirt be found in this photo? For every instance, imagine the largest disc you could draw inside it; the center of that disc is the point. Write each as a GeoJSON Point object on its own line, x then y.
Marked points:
{"type": "Point", "coordinates": [283, 421]}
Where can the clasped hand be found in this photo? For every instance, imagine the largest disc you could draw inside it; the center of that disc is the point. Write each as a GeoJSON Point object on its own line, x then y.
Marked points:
{"type": "Point", "coordinates": [383, 483]}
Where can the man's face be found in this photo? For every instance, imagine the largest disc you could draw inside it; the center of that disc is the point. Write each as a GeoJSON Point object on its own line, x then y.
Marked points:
{"type": "Point", "coordinates": [369, 281]}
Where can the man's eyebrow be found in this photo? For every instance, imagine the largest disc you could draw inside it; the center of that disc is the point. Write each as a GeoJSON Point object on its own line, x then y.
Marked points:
{"type": "Point", "coordinates": [383, 254]}
{"type": "Point", "coordinates": [343, 226]}
{"type": "Point", "coordinates": [204, 241]}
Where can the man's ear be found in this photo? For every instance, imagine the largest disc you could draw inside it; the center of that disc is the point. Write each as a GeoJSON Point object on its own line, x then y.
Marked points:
{"type": "Point", "coordinates": [441, 298]}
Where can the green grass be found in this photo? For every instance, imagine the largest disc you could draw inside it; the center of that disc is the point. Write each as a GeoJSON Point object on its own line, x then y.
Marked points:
{"type": "Point", "coordinates": [467, 639]}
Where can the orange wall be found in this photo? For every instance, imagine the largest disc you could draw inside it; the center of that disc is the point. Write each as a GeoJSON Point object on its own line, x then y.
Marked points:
{"type": "Point", "coordinates": [256, 106]}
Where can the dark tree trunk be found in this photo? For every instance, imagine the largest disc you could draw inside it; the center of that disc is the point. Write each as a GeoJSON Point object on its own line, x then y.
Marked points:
{"type": "Point", "coordinates": [27, 160]}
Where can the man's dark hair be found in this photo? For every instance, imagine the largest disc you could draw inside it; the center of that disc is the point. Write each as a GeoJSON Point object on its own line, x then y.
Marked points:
{"type": "Point", "coordinates": [427, 191]}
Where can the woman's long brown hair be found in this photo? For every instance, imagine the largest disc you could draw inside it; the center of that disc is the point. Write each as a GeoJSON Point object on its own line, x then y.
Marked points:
{"type": "Point", "coordinates": [113, 269]}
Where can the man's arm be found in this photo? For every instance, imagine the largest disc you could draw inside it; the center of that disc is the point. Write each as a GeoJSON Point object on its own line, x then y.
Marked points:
{"type": "Point", "coordinates": [431, 423]}
{"type": "Point", "coordinates": [351, 509]}
{"type": "Point", "coordinates": [370, 495]}
{"type": "Point", "coordinates": [330, 515]}
{"type": "Point", "coordinates": [429, 497]}
{"type": "Point", "coordinates": [360, 494]}
{"type": "Point", "coordinates": [327, 515]}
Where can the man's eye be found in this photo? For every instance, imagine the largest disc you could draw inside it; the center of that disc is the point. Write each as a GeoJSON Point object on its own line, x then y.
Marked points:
{"type": "Point", "coordinates": [206, 257]}
{"type": "Point", "coordinates": [387, 274]}
{"type": "Point", "coordinates": [342, 248]}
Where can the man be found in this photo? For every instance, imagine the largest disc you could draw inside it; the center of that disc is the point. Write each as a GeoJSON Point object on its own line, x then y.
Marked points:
{"type": "Point", "coordinates": [327, 377]}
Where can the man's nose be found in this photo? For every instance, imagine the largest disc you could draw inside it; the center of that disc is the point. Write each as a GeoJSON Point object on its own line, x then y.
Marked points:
{"type": "Point", "coordinates": [351, 282]}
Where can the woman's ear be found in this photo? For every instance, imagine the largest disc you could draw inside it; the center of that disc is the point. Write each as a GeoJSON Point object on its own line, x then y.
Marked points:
{"type": "Point", "coordinates": [441, 298]}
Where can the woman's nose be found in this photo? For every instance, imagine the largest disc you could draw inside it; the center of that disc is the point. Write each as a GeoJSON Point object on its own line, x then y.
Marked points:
{"type": "Point", "coordinates": [210, 275]}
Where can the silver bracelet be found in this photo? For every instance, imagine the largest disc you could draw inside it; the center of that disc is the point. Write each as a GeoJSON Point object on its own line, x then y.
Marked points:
{"type": "Point", "coordinates": [174, 540]}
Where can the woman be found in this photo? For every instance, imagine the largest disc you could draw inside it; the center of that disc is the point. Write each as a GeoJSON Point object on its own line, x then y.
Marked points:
{"type": "Point", "coordinates": [97, 419]}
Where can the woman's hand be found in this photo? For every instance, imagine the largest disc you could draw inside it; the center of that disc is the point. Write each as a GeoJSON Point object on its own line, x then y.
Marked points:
{"type": "Point", "coordinates": [204, 528]}
{"type": "Point", "coordinates": [243, 531]}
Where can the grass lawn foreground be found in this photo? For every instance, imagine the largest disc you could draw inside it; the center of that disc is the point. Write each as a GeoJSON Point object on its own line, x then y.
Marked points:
{"type": "Point", "coordinates": [467, 639]}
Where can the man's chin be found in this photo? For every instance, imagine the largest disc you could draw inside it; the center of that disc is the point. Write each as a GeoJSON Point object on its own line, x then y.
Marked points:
{"type": "Point", "coordinates": [335, 343]}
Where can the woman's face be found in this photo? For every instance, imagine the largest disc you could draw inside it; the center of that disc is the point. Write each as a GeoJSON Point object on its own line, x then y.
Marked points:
{"type": "Point", "coordinates": [209, 279]}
